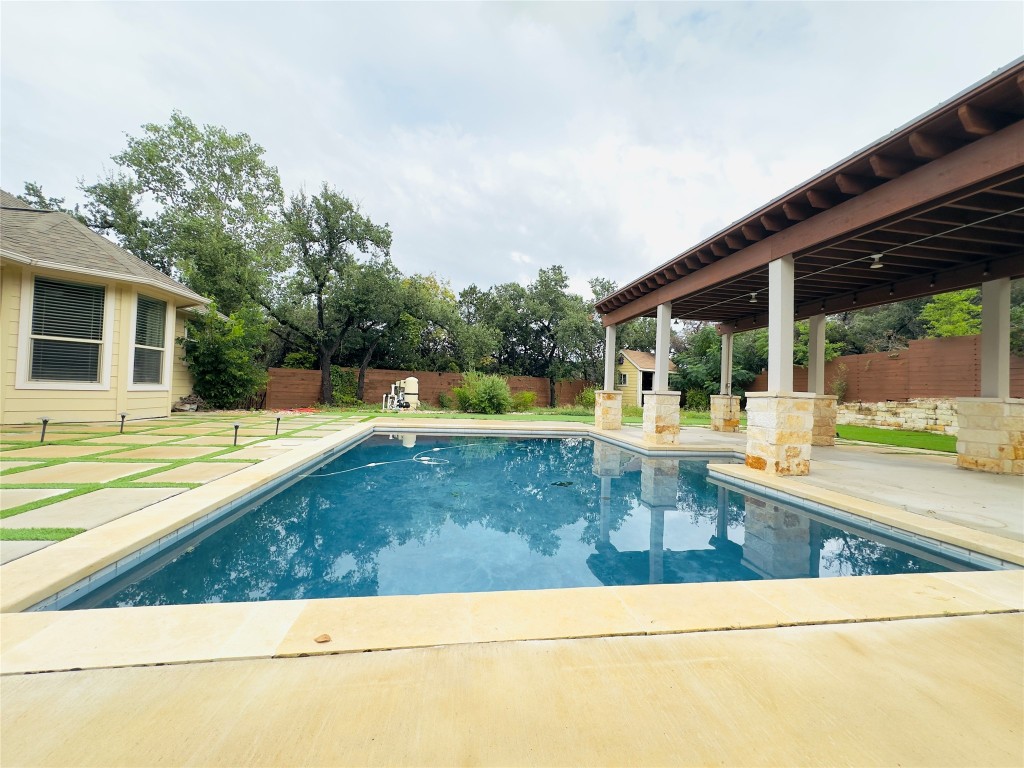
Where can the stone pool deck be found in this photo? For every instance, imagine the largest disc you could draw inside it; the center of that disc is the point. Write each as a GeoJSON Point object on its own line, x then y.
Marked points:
{"type": "Point", "coordinates": [919, 669]}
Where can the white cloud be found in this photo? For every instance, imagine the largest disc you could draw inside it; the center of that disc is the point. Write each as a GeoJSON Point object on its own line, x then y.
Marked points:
{"type": "Point", "coordinates": [499, 138]}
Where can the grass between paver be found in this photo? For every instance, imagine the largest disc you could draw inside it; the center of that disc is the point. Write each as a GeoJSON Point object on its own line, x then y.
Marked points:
{"type": "Point", "coordinates": [930, 441]}
{"type": "Point", "coordinates": [38, 534]}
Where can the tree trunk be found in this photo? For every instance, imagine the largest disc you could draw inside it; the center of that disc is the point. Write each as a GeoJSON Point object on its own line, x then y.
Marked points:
{"type": "Point", "coordinates": [551, 389]}
{"type": "Point", "coordinates": [326, 390]}
{"type": "Point", "coordinates": [362, 371]}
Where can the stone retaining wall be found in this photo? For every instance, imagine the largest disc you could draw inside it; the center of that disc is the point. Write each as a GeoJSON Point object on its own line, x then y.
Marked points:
{"type": "Point", "coordinates": [921, 415]}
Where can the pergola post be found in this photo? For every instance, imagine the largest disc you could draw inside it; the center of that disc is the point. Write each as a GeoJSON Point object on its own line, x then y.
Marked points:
{"type": "Point", "coordinates": [725, 409]}
{"type": "Point", "coordinates": [780, 422]}
{"type": "Point", "coordinates": [608, 402]}
{"type": "Point", "coordinates": [990, 434]}
{"type": "Point", "coordinates": [661, 405]}
{"type": "Point", "coordinates": [825, 409]}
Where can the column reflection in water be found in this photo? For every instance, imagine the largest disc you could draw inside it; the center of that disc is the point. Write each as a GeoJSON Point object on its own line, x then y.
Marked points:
{"type": "Point", "coordinates": [778, 541]}
{"type": "Point", "coordinates": [659, 484]}
{"type": "Point", "coordinates": [609, 462]}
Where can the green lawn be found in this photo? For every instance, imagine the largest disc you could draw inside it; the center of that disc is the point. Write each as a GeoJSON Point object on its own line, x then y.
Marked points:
{"type": "Point", "coordinates": [926, 440]}
{"type": "Point", "coordinates": [38, 534]}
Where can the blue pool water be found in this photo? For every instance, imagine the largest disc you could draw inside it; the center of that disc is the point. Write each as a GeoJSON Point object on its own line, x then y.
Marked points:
{"type": "Point", "coordinates": [421, 514]}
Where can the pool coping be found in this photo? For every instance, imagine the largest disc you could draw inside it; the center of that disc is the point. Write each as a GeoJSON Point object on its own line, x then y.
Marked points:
{"type": "Point", "coordinates": [284, 628]}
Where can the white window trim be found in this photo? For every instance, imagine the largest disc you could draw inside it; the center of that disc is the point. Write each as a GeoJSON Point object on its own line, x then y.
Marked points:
{"type": "Point", "coordinates": [23, 365]}
{"type": "Point", "coordinates": [165, 374]}
{"type": "Point", "coordinates": [623, 379]}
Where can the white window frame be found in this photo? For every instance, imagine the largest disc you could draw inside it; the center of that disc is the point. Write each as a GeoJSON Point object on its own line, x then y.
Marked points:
{"type": "Point", "coordinates": [623, 379]}
{"type": "Point", "coordinates": [23, 365]}
{"type": "Point", "coordinates": [165, 372]}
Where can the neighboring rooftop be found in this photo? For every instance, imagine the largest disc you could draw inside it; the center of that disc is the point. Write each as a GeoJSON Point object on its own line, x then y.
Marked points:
{"type": "Point", "coordinates": [55, 240]}
{"type": "Point", "coordinates": [644, 361]}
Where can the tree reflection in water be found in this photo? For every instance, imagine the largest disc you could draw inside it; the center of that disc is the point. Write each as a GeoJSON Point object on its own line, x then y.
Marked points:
{"type": "Point", "coordinates": [327, 535]}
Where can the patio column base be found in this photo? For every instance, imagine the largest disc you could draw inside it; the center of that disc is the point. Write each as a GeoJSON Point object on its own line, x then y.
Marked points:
{"type": "Point", "coordinates": [990, 434]}
{"type": "Point", "coordinates": [661, 417]}
{"type": "Point", "coordinates": [779, 432]}
{"type": "Point", "coordinates": [825, 412]}
{"type": "Point", "coordinates": [725, 413]}
{"type": "Point", "coordinates": [608, 409]}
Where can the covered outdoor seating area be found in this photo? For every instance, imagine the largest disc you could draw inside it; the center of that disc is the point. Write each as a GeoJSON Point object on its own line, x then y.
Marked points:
{"type": "Point", "coordinates": [934, 206]}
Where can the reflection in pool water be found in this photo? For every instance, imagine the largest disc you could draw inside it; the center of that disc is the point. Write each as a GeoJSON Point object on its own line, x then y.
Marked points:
{"type": "Point", "coordinates": [423, 514]}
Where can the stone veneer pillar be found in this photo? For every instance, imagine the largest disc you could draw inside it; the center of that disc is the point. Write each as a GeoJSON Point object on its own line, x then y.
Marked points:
{"type": "Point", "coordinates": [825, 413]}
{"type": "Point", "coordinates": [608, 409]}
{"type": "Point", "coordinates": [661, 417]}
{"type": "Point", "coordinates": [990, 434]}
{"type": "Point", "coordinates": [779, 432]}
{"type": "Point", "coordinates": [725, 413]}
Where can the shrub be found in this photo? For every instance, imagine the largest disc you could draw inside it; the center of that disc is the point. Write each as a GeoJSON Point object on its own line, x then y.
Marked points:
{"type": "Point", "coordinates": [444, 401]}
{"type": "Point", "coordinates": [222, 355]}
{"type": "Point", "coordinates": [840, 384]}
{"type": "Point", "coordinates": [343, 386]}
{"type": "Point", "coordinates": [481, 393]}
{"type": "Point", "coordinates": [586, 398]}
{"type": "Point", "coordinates": [633, 411]}
{"type": "Point", "coordinates": [697, 400]}
{"type": "Point", "coordinates": [523, 401]}
{"type": "Point", "coordinates": [305, 361]}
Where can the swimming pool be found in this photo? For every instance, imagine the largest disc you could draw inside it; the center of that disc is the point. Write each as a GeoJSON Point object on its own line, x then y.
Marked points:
{"type": "Point", "coordinates": [417, 514]}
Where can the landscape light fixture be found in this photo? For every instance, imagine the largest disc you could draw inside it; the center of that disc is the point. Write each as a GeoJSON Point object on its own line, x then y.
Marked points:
{"type": "Point", "coordinates": [123, 416]}
{"type": "Point", "coordinates": [753, 298]}
{"type": "Point", "coordinates": [278, 427]}
{"type": "Point", "coordinates": [45, 420]}
{"type": "Point", "coordinates": [878, 261]}
{"type": "Point", "coordinates": [236, 425]}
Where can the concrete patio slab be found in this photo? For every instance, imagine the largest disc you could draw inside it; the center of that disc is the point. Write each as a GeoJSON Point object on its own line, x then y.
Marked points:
{"type": "Point", "coordinates": [173, 452]}
{"type": "Point", "coordinates": [15, 497]}
{"type": "Point", "coordinates": [184, 430]}
{"type": "Point", "coordinates": [200, 472]}
{"type": "Point", "coordinates": [315, 433]}
{"type": "Point", "coordinates": [259, 452]}
{"type": "Point", "coordinates": [752, 698]}
{"type": "Point", "coordinates": [91, 509]}
{"type": "Point", "coordinates": [137, 439]}
{"type": "Point", "coordinates": [56, 451]}
{"type": "Point", "coordinates": [221, 440]}
{"type": "Point", "coordinates": [12, 550]}
{"type": "Point", "coordinates": [81, 472]}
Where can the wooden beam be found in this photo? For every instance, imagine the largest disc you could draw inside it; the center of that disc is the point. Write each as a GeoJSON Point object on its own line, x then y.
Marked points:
{"type": "Point", "coordinates": [931, 147]}
{"type": "Point", "coordinates": [692, 262]}
{"type": "Point", "coordinates": [660, 278]}
{"type": "Point", "coordinates": [752, 232]}
{"type": "Point", "coordinates": [821, 200]}
{"type": "Point", "coordinates": [887, 167]}
{"type": "Point", "coordinates": [705, 257]}
{"type": "Point", "coordinates": [736, 243]}
{"type": "Point", "coordinates": [1020, 82]}
{"type": "Point", "coordinates": [982, 122]}
{"type": "Point", "coordinates": [773, 223]}
{"type": "Point", "coordinates": [851, 184]}
{"type": "Point", "coordinates": [796, 211]}
{"type": "Point", "coordinates": [680, 269]}
{"type": "Point", "coordinates": [719, 250]}
{"type": "Point", "coordinates": [984, 161]}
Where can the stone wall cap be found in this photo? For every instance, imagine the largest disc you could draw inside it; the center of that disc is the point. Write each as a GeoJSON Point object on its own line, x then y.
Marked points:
{"type": "Point", "coordinates": [1009, 400]}
{"type": "Point", "coordinates": [787, 395]}
{"type": "Point", "coordinates": [666, 392]}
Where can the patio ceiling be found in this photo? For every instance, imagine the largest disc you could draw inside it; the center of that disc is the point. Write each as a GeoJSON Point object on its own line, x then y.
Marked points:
{"type": "Point", "coordinates": [940, 199]}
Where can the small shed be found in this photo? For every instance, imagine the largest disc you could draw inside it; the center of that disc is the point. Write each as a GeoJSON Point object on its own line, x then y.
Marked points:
{"type": "Point", "coordinates": [634, 375]}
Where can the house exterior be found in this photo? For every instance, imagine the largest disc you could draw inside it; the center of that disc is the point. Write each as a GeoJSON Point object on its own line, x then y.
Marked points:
{"type": "Point", "coordinates": [634, 374]}
{"type": "Point", "coordinates": [87, 330]}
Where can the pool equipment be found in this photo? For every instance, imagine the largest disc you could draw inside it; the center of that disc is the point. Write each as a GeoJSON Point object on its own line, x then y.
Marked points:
{"type": "Point", "coordinates": [404, 395]}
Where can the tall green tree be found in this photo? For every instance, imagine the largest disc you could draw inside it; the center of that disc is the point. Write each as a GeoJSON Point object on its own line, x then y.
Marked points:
{"type": "Point", "coordinates": [196, 202]}
{"type": "Point", "coordinates": [325, 290]}
{"type": "Point", "coordinates": [34, 196]}
{"type": "Point", "coordinates": [957, 313]}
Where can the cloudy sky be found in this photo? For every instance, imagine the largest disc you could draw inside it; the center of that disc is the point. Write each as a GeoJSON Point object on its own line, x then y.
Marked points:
{"type": "Point", "coordinates": [499, 138]}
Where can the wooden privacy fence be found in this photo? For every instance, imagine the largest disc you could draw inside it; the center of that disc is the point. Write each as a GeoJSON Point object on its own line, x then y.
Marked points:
{"type": "Point", "coordinates": [292, 388]}
{"type": "Point", "coordinates": [928, 368]}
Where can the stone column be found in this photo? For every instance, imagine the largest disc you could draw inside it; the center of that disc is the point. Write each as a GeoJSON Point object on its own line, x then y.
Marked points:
{"type": "Point", "coordinates": [825, 414]}
{"type": "Point", "coordinates": [608, 402]}
{"type": "Point", "coordinates": [661, 417]}
{"type": "Point", "coordinates": [825, 410]}
{"type": "Point", "coordinates": [725, 413]}
{"type": "Point", "coordinates": [662, 339]}
{"type": "Point", "coordinates": [990, 434]}
{"type": "Point", "coordinates": [779, 432]}
{"type": "Point", "coordinates": [608, 410]}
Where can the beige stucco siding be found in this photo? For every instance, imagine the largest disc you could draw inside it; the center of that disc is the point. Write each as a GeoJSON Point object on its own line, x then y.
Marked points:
{"type": "Point", "coordinates": [27, 401]}
{"type": "Point", "coordinates": [630, 390]}
{"type": "Point", "coordinates": [181, 379]}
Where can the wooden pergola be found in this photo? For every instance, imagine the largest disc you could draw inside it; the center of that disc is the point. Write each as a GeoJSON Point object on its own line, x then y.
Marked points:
{"type": "Point", "coordinates": [937, 205]}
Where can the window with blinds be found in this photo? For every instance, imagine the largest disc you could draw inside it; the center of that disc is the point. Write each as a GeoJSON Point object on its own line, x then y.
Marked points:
{"type": "Point", "coordinates": [67, 331]}
{"type": "Point", "coordinates": [150, 322]}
